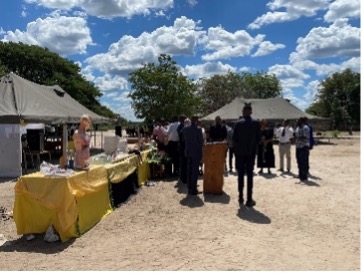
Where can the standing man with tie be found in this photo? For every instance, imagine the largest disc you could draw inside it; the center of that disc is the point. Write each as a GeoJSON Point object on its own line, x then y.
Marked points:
{"type": "Point", "coordinates": [284, 134]}
{"type": "Point", "coordinates": [246, 137]}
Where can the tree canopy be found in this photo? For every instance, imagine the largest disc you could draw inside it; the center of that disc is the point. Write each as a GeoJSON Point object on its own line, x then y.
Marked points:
{"type": "Point", "coordinates": [161, 91]}
{"type": "Point", "coordinates": [41, 66]}
{"type": "Point", "coordinates": [338, 98]}
{"type": "Point", "coordinates": [219, 90]}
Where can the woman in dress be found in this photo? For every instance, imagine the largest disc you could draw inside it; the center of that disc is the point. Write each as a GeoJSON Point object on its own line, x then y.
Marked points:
{"type": "Point", "coordinates": [82, 143]}
{"type": "Point", "coordinates": [265, 156]}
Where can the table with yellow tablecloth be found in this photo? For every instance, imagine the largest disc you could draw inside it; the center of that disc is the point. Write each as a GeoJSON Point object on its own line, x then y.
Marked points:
{"type": "Point", "coordinates": [126, 176]}
{"type": "Point", "coordinates": [75, 203]}
{"type": "Point", "coordinates": [119, 169]}
{"type": "Point", "coordinates": [72, 204]}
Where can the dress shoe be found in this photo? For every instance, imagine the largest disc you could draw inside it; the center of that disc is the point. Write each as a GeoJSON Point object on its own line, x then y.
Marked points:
{"type": "Point", "coordinates": [250, 203]}
{"type": "Point", "coordinates": [240, 200]}
{"type": "Point", "coordinates": [194, 192]}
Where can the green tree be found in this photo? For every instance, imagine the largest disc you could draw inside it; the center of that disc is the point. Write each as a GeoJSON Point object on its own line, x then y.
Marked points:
{"type": "Point", "coordinates": [218, 90]}
{"type": "Point", "coordinates": [338, 98]}
{"type": "Point", "coordinates": [3, 70]}
{"type": "Point", "coordinates": [41, 66]}
{"type": "Point", "coordinates": [162, 91]}
{"type": "Point", "coordinates": [260, 85]}
{"type": "Point", "coordinates": [316, 109]}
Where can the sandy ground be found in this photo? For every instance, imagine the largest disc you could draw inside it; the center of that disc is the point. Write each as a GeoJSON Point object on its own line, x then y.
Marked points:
{"type": "Point", "coordinates": [294, 226]}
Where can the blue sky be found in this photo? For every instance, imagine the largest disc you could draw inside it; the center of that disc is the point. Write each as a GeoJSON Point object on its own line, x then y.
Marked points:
{"type": "Point", "coordinates": [301, 42]}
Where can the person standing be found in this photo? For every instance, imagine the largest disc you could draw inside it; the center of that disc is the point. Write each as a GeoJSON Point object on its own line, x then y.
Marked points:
{"type": "Point", "coordinates": [302, 136]}
{"type": "Point", "coordinates": [311, 140]}
{"type": "Point", "coordinates": [246, 136]}
{"type": "Point", "coordinates": [284, 135]}
{"type": "Point", "coordinates": [266, 156]}
{"type": "Point", "coordinates": [172, 148]}
{"type": "Point", "coordinates": [204, 141]}
{"type": "Point", "coordinates": [193, 138]}
{"type": "Point", "coordinates": [160, 134]}
{"type": "Point", "coordinates": [183, 122]}
{"type": "Point", "coordinates": [217, 132]}
{"type": "Point", "coordinates": [82, 143]}
{"type": "Point", "coordinates": [230, 150]}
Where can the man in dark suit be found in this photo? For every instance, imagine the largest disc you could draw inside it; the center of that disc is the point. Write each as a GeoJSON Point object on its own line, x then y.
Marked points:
{"type": "Point", "coordinates": [193, 139]}
{"type": "Point", "coordinates": [218, 131]}
{"type": "Point", "coordinates": [246, 136]}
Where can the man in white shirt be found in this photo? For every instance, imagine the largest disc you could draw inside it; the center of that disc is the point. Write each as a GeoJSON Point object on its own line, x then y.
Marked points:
{"type": "Point", "coordinates": [284, 135]}
{"type": "Point", "coordinates": [173, 140]}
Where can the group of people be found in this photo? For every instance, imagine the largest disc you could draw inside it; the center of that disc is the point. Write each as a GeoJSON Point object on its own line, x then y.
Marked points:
{"type": "Point", "coordinates": [251, 138]}
{"type": "Point", "coordinates": [248, 138]}
{"type": "Point", "coordinates": [303, 138]}
{"type": "Point", "coordinates": [182, 139]}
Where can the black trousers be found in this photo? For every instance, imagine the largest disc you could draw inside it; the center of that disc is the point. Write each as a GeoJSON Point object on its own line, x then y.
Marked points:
{"type": "Point", "coordinates": [230, 157]}
{"type": "Point", "coordinates": [192, 173]}
{"type": "Point", "coordinates": [174, 155]}
{"type": "Point", "coordinates": [245, 165]}
{"type": "Point", "coordinates": [302, 158]}
{"type": "Point", "coordinates": [183, 168]}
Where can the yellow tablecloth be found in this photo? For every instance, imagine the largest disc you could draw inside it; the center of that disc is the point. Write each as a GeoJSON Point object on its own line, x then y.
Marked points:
{"type": "Point", "coordinates": [71, 204]}
{"type": "Point", "coordinates": [118, 171]}
{"type": "Point", "coordinates": [121, 169]}
{"type": "Point", "coordinates": [143, 171]}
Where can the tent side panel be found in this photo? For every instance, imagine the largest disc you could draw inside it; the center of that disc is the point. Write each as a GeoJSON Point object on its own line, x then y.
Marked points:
{"type": "Point", "coordinates": [10, 150]}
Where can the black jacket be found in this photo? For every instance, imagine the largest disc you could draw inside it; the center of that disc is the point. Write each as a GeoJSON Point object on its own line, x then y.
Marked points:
{"type": "Point", "coordinates": [246, 137]}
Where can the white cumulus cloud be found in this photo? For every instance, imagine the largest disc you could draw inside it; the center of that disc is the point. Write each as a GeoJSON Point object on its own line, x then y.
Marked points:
{"type": "Point", "coordinates": [131, 52]}
{"type": "Point", "coordinates": [224, 45]}
{"type": "Point", "coordinates": [60, 34]}
{"type": "Point", "coordinates": [107, 8]}
{"type": "Point", "coordinates": [343, 9]}
{"type": "Point", "coordinates": [339, 39]}
{"type": "Point", "coordinates": [292, 10]}
{"type": "Point", "coordinates": [207, 69]}
{"type": "Point", "coordinates": [266, 47]}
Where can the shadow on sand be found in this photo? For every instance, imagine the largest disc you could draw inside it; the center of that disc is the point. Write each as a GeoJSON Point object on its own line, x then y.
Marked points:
{"type": "Point", "coordinates": [192, 201]}
{"type": "Point", "coordinates": [252, 215]}
{"type": "Point", "coordinates": [222, 198]}
{"type": "Point", "coordinates": [37, 245]}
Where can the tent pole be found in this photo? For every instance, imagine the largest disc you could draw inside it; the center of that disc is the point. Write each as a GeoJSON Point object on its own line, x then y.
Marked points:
{"type": "Point", "coordinates": [94, 138]}
{"type": "Point", "coordinates": [101, 139]}
{"type": "Point", "coordinates": [64, 158]}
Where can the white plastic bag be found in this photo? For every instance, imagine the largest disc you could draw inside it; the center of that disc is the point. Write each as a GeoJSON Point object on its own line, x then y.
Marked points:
{"type": "Point", "coordinates": [50, 235]}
